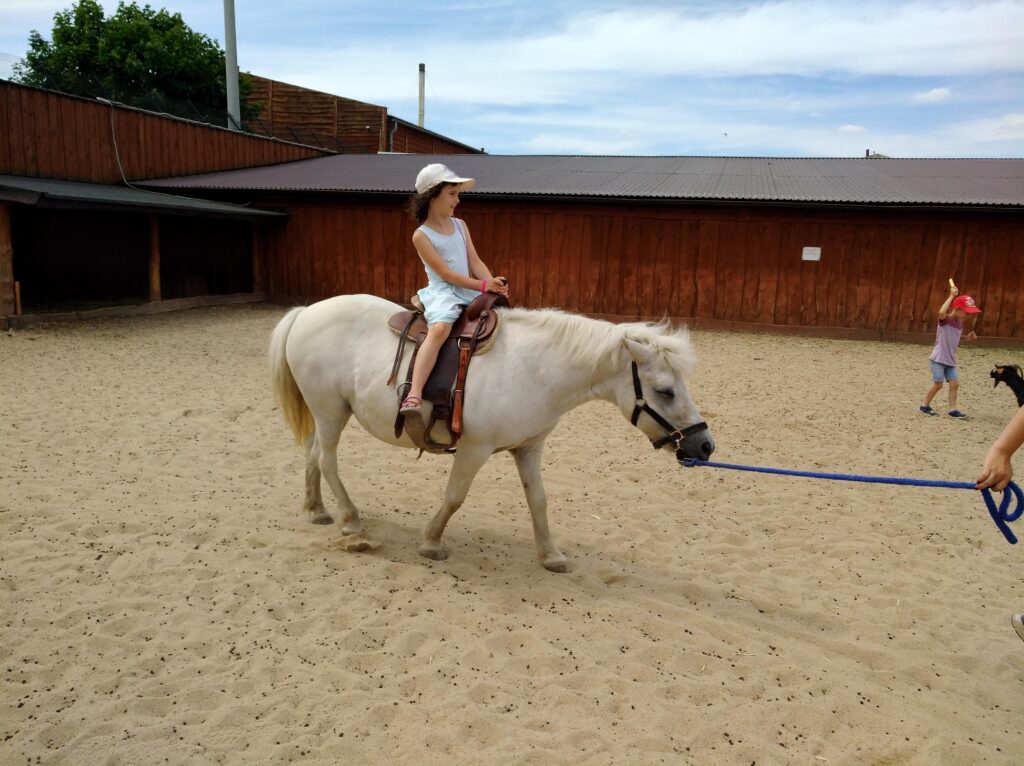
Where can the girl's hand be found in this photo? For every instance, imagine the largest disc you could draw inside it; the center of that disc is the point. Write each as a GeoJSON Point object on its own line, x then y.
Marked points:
{"type": "Point", "coordinates": [972, 335]}
{"type": "Point", "coordinates": [498, 285]}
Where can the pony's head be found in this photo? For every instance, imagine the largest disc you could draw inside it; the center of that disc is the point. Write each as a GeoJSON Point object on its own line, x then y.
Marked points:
{"type": "Point", "coordinates": [660, 358]}
{"type": "Point", "coordinates": [660, 354]}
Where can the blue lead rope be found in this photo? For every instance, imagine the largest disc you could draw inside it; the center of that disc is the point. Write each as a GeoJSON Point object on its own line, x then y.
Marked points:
{"type": "Point", "coordinates": [1001, 515]}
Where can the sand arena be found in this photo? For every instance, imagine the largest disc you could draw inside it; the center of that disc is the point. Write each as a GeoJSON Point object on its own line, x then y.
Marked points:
{"type": "Point", "coordinates": [166, 601]}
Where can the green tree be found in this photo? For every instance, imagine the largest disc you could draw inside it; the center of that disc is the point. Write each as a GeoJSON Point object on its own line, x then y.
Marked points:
{"type": "Point", "coordinates": [139, 56]}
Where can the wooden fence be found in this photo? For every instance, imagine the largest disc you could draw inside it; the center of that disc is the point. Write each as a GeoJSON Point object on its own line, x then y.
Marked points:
{"type": "Point", "coordinates": [881, 273]}
{"type": "Point", "coordinates": [294, 113]}
{"type": "Point", "coordinates": [413, 140]}
{"type": "Point", "coordinates": [53, 135]}
{"type": "Point", "coordinates": [300, 114]}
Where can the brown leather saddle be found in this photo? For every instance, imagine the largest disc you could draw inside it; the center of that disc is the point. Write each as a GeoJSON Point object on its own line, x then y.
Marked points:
{"type": "Point", "coordinates": [445, 387]}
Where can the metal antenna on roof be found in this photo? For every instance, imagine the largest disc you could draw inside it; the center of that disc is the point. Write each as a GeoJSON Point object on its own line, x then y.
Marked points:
{"type": "Point", "coordinates": [423, 80]}
{"type": "Point", "coordinates": [231, 66]}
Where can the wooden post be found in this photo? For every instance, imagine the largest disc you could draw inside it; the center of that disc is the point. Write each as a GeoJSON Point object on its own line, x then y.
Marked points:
{"type": "Point", "coordinates": [256, 245]}
{"type": "Point", "coordinates": [154, 258]}
{"type": "Point", "coordinates": [7, 301]}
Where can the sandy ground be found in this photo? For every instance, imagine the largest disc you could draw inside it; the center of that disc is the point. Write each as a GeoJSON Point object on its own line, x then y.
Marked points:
{"type": "Point", "coordinates": [166, 601]}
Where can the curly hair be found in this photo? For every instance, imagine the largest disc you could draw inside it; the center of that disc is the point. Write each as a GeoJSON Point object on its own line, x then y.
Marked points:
{"type": "Point", "coordinates": [419, 204]}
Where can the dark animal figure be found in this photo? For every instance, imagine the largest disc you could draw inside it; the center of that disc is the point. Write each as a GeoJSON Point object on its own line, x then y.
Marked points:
{"type": "Point", "coordinates": [1009, 374]}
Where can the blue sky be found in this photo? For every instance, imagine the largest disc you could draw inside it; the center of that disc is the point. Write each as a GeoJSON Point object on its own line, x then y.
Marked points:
{"type": "Point", "coordinates": [708, 77]}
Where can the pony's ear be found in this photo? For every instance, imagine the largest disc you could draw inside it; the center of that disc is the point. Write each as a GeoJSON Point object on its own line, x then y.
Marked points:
{"type": "Point", "coordinates": [639, 350]}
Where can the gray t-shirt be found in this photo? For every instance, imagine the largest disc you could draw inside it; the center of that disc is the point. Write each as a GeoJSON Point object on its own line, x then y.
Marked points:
{"type": "Point", "coordinates": [947, 338]}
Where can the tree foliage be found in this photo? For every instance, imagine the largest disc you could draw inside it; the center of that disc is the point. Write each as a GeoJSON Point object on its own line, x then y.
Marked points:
{"type": "Point", "coordinates": [139, 56]}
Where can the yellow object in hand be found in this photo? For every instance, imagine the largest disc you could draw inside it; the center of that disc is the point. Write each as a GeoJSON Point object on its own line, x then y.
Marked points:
{"type": "Point", "coordinates": [951, 283]}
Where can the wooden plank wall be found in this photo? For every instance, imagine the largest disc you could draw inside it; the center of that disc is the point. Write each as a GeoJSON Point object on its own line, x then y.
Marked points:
{"type": "Point", "coordinates": [52, 135]}
{"type": "Point", "coordinates": [411, 140]}
{"type": "Point", "coordinates": [300, 114]}
{"type": "Point", "coordinates": [881, 274]}
{"type": "Point", "coordinates": [343, 124]}
{"type": "Point", "coordinates": [8, 301]}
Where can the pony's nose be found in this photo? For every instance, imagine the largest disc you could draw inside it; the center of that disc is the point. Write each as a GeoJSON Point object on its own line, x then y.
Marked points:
{"type": "Point", "coordinates": [706, 447]}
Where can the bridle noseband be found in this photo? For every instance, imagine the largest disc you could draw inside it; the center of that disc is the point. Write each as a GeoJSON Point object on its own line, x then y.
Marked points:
{"type": "Point", "coordinates": [675, 435]}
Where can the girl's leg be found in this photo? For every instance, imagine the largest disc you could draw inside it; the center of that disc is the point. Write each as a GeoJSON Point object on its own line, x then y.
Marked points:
{"type": "Point", "coordinates": [437, 333]}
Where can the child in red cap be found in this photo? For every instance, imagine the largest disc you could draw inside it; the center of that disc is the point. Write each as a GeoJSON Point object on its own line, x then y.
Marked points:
{"type": "Point", "coordinates": [952, 314]}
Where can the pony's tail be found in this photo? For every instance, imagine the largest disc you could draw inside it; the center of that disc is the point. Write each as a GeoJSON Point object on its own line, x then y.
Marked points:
{"type": "Point", "coordinates": [286, 391]}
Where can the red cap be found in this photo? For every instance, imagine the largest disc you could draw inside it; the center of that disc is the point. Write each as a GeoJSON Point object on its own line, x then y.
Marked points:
{"type": "Point", "coordinates": [965, 303]}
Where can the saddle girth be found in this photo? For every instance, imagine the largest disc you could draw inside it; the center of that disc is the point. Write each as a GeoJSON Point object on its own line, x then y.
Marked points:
{"type": "Point", "coordinates": [445, 387]}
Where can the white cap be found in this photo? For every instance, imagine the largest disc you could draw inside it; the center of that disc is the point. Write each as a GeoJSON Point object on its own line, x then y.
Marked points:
{"type": "Point", "coordinates": [435, 174]}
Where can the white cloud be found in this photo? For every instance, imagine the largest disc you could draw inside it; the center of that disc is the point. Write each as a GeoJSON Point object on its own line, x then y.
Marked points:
{"type": "Point", "coordinates": [1008, 127]}
{"type": "Point", "coordinates": [789, 37]}
{"type": "Point", "coordinates": [933, 96]}
{"type": "Point", "coordinates": [590, 51]}
{"type": "Point", "coordinates": [798, 77]}
{"type": "Point", "coordinates": [1011, 126]}
{"type": "Point", "coordinates": [667, 130]}
{"type": "Point", "coordinates": [572, 143]}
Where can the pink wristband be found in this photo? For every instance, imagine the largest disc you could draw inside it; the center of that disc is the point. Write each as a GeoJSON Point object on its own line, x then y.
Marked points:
{"type": "Point", "coordinates": [484, 288]}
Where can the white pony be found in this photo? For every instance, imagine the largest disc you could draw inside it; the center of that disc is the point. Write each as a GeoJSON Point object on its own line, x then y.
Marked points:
{"type": "Point", "coordinates": [331, 360]}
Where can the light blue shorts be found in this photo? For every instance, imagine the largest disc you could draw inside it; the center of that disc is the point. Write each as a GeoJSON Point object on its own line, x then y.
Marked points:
{"type": "Point", "coordinates": [443, 302]}
{"type": "Point", "coordinates": [941, 372]}
{"type": "Point", "coordinates": [446, 313]}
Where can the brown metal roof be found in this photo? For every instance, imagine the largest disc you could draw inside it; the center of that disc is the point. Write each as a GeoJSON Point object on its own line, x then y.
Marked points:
{"type": "Point", "coordinates": [49, 192]}
{"type": "Point", "coordinates": [962, 182]}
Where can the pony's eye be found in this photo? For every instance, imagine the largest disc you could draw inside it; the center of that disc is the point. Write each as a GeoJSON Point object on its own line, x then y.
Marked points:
{"type": "Point", "coordinates": [668, 393]}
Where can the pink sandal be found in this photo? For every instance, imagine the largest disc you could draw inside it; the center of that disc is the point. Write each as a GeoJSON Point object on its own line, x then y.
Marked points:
{"type": "Point", "coordinates": [410, 405]}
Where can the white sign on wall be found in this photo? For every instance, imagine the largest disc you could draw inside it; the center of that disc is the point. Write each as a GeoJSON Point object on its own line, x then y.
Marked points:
{"type": "Point", "coordinates": [811, 254]}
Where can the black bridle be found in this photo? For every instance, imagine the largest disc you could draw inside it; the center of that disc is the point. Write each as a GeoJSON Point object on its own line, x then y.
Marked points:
{"type": "Point", "coordinates": [675, 435]}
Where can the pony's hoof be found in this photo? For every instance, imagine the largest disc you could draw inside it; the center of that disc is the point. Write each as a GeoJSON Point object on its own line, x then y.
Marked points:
{"type": "Point", "coordinates": [435, 552]}
{"type": "Point", "coordinates": [558, 564]}
{"type": "Point", "coordinates": [319, 516]}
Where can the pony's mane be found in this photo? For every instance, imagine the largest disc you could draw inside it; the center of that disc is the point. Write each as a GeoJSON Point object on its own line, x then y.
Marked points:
{"type": "Point", "coordinates": [597, 343]}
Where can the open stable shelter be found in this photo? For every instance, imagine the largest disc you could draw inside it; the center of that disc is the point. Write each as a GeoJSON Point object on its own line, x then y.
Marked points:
{"type": "Point", "coordinates": [78, 233]}
{"type": "Point", "coordinates": [94, 245]}
{"type": "Point", "coordinates": [75, 231]}
{"type": "Point", "coordinates": [859, 248]}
